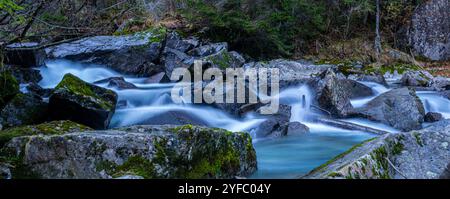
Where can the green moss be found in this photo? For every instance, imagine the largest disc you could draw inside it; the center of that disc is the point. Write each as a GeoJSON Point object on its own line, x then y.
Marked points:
{"type": "Point", "coordinates": [334, 175]}
{"type": "Point", "coordinates": [16, 161]}
{"type": "Point", "coordinates": [9, 87]}
{"type": "Point", "coordinates": [214, 153]}
{"type": "Point", "coordinates": [223, 60]}
{"type": "Point", "coordinates": [51, 128]}
{"type": "Point", "coordinates": [418, 139]}
{"type": "Point", "coordinates": [382, 166]}
{"type": "Point", "coordinates": [136, 165]}
{"type": "Point", "coordinates": [76, 86]}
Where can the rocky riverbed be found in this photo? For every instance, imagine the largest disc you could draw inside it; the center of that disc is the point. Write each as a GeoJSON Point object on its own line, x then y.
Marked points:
{"type": "Point", "coordinates": [100, 107]}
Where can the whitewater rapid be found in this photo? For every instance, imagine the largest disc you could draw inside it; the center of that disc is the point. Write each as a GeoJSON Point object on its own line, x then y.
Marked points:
{"type": "Point", "coordinates": [286, 157]}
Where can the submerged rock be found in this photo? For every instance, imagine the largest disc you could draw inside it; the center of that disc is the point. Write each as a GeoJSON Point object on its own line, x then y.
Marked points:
{"type": "Point", "coordinates": [73, 99]}
{"type": "Point", "coordinates": [297, 128]}
{"type": "Point", "coordinates": [420, 154]}
{"type": "Point", "coordinates": [399, 108]}
{"type": "Point", "coordinates": [9, 87]}
{"type": "Point", "coordinates": [129, 54]}
{"type": "Point", "coordinates": [276, 125]}
{"type": "Point", "coordinates": [433, 117]}
{"type": "Point", "coordinates": [147, 151]}
{"type": "Point", "coordinates": [428, 32]}
{"type": "Point", "coordinates": [24, 109]}
{"type": "Point", "coordinates": [117, 82]}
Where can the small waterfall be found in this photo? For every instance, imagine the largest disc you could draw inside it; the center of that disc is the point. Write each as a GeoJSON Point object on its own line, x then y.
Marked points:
{"type": "Point", "coordinates": [433, 102]}
{"type": "Point", "coordinates": [377, 89]}
{"type": "Point", "coordinates": [300, 99]}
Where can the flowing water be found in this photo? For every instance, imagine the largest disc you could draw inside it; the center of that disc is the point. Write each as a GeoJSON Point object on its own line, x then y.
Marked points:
{"type": "Point", "coordinates": [287, 157]}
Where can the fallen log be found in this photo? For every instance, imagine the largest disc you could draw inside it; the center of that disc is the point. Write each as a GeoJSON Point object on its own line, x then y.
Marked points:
{"type": "Point", "coordinates": [349, 126]}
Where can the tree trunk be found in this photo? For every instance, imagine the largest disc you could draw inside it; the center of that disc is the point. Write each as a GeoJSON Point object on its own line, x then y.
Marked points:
{"type": "Point", "coordinates": [377, 31]}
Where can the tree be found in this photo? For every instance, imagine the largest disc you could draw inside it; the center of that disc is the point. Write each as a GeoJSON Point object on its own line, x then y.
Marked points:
{"type": "Point", "coordinates": [377, 31]}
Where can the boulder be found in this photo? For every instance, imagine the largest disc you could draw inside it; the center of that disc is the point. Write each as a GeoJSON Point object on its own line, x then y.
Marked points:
{"type": "Point", "coordinates": [209, 49]}
{"type": "Point", "coordinates": [332, 95]}
{"type": "Point", "coordinates": [420, 154]}
{"type": "Point", "coordinates": [433, 117]}
{"type": "Point", "coordinates": [50, 128]}
{"type": "Point", "coordinates": [5, 172]}
{"type": "Point", "coordinates": [173, 58]}
{"type": "Point", "coordinates": [117, 82]}
{"type": "Point", "coordinates": [292, 71]}
{"type": "Point", "coordinates": [35, 89]}
{"type": "Point", "coordinates": [158, 78]}
{"type": "Point", "coordinates": [297, 128]}
{"type": "Point", "coordinates": [129, 54]}
{"type": "Point", "coordinates": [355, 89]}
{"type": "Point", "coordinates": [276, 125]}
{"type": "Point", "coordinates": [416, 78]}
{"type": "Point", "coordinates": [223, 60]}
{"type": "Point", "coordinates": [399, 108]}
{"type": "Point", "coordinates": [9, 87]}
{"type": "Point", "coordinates": [428, 32]}
{"type": "Point", "coordinates": [174, 41]}
{"type": "Point", "coordinates": [73, 99]}
{"type": "Point", "coordinates": [439, 83]}
{"type": "Point", "coordinates": [176, 152]}
{"type": "Point", "coordinates": [24, 109]}
{"type": "Point", "coordinates": [25, 55]}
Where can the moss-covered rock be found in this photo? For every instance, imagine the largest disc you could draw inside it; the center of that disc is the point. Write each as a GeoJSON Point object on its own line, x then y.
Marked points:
{"type": "Point", "coordinates": [50, 128]}
{"type": "Point", "coordinates": [24, 109]}
{"type": "Point", "coordinates": [420, 154]}
{"type": "Point", "coordinates": [73, 99]}
{"type": "Point", "coordinates": [9, 87]}
{"type": "Point", "coordinates": [146, 151]}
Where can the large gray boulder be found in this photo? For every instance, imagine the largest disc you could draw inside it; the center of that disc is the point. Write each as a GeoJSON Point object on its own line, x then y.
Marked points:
{"type": "Point", "coordinates": [88, 104]}
{"type": "Point", "coordinates": [129, 54]}
{"type": "Point", "coordinates": [429, 30]}
{"type": "Point", "coordinates": [399, 108]}
{"type": "Point", "coordinates": [292, 71]}
{"type": "Point", "coordinates": [422, 154]}
{"type": "Point", "coordinates": [146, 151]}
{"type": "Point", "coordinates": [333, 93]}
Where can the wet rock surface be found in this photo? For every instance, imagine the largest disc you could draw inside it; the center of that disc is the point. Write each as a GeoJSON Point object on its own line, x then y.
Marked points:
{"type": "Point", "coordinates": [145, 151]}
{"type": "Point", "coordinates": [399, 108]}
{"type": "Point", "coordinates": [430, 25]}
{"type": "Point", "coordinates": [76, 100]}
{"type": "Point", "coordinates": [422, 154]}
